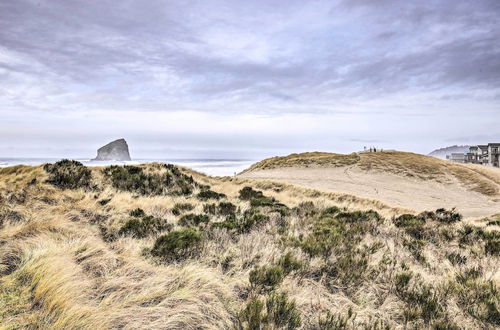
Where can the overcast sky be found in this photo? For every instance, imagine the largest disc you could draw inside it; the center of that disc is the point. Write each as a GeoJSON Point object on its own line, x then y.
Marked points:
{"type": "Point", "coordinates": [247, 78]}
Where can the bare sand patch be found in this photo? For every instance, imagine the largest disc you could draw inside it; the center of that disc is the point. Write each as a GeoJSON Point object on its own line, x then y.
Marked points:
{"type": "Point", "coordinates": [389, 188]}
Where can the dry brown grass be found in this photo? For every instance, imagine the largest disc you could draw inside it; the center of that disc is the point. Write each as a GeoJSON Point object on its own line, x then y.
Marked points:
{"type": "Point", "coordinates": [58, 272]}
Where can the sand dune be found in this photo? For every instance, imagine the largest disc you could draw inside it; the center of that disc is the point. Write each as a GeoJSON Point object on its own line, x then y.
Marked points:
{"type": "Point", "coordinates": [401, 179]}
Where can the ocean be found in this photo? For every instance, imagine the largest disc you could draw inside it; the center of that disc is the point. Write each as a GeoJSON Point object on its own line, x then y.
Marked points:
{"type": "Point", "coordinates": [213, 167]}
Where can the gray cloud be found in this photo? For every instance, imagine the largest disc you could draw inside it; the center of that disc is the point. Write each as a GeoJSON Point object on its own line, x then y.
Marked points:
{"type": "Point", "coordinates": [428, 59]}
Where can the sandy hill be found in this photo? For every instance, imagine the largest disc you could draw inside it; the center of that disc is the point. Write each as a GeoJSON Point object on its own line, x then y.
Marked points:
{"type": "Point", "coordinates": [399, 179]}
{"type": "Point", "coordinates": [161, 247]}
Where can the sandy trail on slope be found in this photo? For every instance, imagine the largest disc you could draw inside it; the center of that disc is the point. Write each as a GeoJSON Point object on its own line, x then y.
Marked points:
{"type": "Point", "coordinates": [388, 188]}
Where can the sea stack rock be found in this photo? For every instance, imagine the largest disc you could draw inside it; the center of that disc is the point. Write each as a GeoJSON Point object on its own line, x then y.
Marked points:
{"type": "Point", "coordinates": [116, 150]}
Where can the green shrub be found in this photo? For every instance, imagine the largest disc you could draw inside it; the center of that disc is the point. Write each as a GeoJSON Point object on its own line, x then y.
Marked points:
{"type": "Point", "coordinates": [447, 216]}
{"type": "Point", "coordinates": [181, 208]}
{"type": "Point", "coordinates": [193, 219]}
{"type": "Point", "coordinates": [252, 317]}
{"type": "Point", "coordinates": [266, 277]}
{"type": "Point", "coordinates": [209, 194]}
{"type": "Point", "coordinates": [456, 258]}
{"type": "Point", "coordinates": [492, 248]}
{"type": "Point", "coordinates": [226, 208]}
{"type": "Point", "coordinates": [493, 223]}
{"type": "Point", "coordinates": [281, 312]}
{"type": "Point", "coordinates": [336, 321]}
{"type": "Point", "coordinates": [290, 263]}
{"type": "Point", "coordinates": [349, 270]}
{"type": "Point", "coordinates": [210, 208]}
{"type": "Point", "coordinates": [423, 300]}
{"type": "Point", "coordinates": [248, 193]}
{"type": "Point", "coordinates": [228, 225]}
{"type": "Point", "coordinates": [144, 226]}
{"type": "Point", "coordinates": [330, 210]}
{"type": "Point", "coordinates": [166, 180]}
{"type": "Point", "coordinates": [416, 247]}
{"type": "Point", "coordinates": [138, 212]}
{"type": "Point", "coordinates": [68, 174]}
{"type": "Point", "coordinates": [251, 220]}
{"type": "Point", "coordinates": [262, 201]}
{"type": "Point", "coordinates": [412, 224]}
{"type": "Point", "coordinates": [305, 209]}
{"type": "Point", "coordinates": [104, 201]}
{"type": "Point", "coordinates": [445, 324]}
{"type": "Point", "coordinates": [178, 244]}
{"type": "Point", "coordinates": [340, 232]}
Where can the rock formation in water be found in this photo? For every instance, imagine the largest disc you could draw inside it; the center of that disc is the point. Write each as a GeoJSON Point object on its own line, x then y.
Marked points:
{"type": "Point", "coordinates": [116, 150]}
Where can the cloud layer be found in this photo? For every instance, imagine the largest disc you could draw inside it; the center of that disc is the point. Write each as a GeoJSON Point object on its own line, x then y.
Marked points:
{"type": "Point", "coordinates": [254, 77]}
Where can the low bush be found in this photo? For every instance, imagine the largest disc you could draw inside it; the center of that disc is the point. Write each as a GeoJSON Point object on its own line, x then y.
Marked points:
{"type": "Point", "coordinates": [456, 258]}
{"type": "Point", "coordinates": [177, 245]}
{"type": "Point", "coordinates": [194, 219]}
{"type": "Point", "coordinates": [416, 247]}
{"type": "Point", "coordinates": [280, 313]}
{"type": "Point", "coordinates": [68, 174]}
{"type": "Point", "coordinates": [181, 208]}
{"type": "Point", "coordinates": [339, 232]}
{"type": "Point", "coordinates": [492, 247]}
{"type": "Point", "coordinates": [144, 226]}
{"type": "Point", "coordinates": [305, 209]}
{"type": "Point", "coordinates": [104, 201]}
{"type": "Point", "coordinates": [423, 300]}
{"type": "Point", "coordinates": [166, 180]}
{"type": "Point", "coordinates": [290, 263]}
{"type": "Point", "coordinates": [252, 219]}
{"type": "Point", "coordinates": [262, 201]}
{"type": "Point", "coordinates": [138, 212]}
{"type": "Point", "coordinates": [209, 194]}
{"type": "Point", "coordinates": [266, 277]}
{"type": "Point", "coordinates": [447, 216]}
{"type": "Point", "coordinates": [210, 208]}
{"type": "Point", "coordinates": [226, 208]}
{"type": "Point", "coordinates": [248, 193]}
{"type": "Point", "coordinates": [348, 271]}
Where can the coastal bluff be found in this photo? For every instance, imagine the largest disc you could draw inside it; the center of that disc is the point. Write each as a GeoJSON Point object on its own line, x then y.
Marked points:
{"type": "Point", "coordinates": [116, 150]}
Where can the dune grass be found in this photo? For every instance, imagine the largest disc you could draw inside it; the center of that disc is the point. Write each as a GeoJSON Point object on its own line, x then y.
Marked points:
{"type": "Point", "coordinates": [301, 259]}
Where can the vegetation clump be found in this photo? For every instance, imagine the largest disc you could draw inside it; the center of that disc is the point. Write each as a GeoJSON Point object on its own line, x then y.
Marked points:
{"type": "Point", "coordinates": [280, 313]}
{"type": "Point", "coordinates": [144, 226]}
{"type": "Point", "coordinates": [68, 174]}
{"type": "Point", "coordinates": [339, 232]}
{"type": "Point", "coordinates": [138, 212]}
{"type": "Point", "coordinates": [181, 208]}
{"type": "Point", "coordinates": [192, 219]}
{"type": "Point", "coordinates": [248, 193]}
{"type": "Point", "coordinates": [167, 179]}
{"type": "Point", "coordinates": [209, 194]}
{"type": "Point", "coordinates": [178, 245]}
{"type": "Point", "coordinates": [266, 277]}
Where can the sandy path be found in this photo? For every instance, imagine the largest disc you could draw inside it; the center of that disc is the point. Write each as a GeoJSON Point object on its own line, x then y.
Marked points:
{"type": "Point", "coordinates": [391, 189]}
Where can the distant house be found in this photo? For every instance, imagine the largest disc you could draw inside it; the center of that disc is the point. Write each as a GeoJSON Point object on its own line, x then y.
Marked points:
{"type": "Point", "coordinates": [484, 154]}
{"type": "Point", "coordinates": [493, 154]}
{"type": "Point", "coordinates": [456, 157]}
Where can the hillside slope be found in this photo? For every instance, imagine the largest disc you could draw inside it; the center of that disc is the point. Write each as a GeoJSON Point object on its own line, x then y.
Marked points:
{"type": "Point", "coordinates": [162, 247]}
{"type": "Point", "coordinates": [397, 178]}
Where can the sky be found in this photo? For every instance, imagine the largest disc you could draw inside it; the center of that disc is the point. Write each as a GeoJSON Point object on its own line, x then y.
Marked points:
{"type": "Point", "coordinates": [246, 79]}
